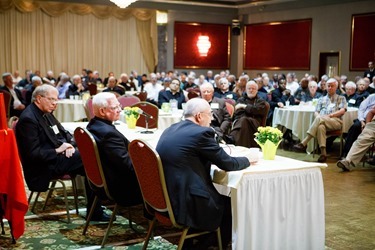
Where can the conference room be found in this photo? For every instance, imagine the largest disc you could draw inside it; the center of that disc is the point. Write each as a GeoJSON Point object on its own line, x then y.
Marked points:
{"type": "Point", "coordinates": [291, 202]}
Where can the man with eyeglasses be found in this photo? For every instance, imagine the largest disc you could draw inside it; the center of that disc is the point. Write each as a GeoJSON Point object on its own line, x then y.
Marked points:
{"type": "Point", "coordinates": [46, 149]}
{"type": "Point", "coordinates": [113, 149]}
{"type": "Point", "coordinates": [187, 149]}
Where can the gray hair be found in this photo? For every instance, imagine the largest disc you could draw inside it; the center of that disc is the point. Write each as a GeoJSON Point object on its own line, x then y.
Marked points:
{"type": "Point", "coordinates": [195, 106]}
{"type": "Point", "coordinates": [223, 80]}
{"type": "Point", "coordinates": [100, 100]}
{"type": "Point", "coordinates": [75, 77]}
{"type": "Point", "coordinates": [43, 90]}
{"type": "Point", "coordinates": [333, 80]}
{"type": "Point", "coordinates": [350, 84]}
{"type": "Point", "coordinates": [313, 83]}
{"type": "Point", "coordinates": [36, 78]}
{"type": "Point", "coordinates": [324, 78]}
{"type": "Point", "coordinates": [6, 74]}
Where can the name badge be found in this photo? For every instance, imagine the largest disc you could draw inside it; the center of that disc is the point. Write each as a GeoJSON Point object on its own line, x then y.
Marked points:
{"type": "Point", "coordinates": [215, 105]}
{"type": "Point", "coordinates": [55, 129]}
{"type": "Point", "coordinates": [352, 101]}
{"type": "Point", "coordinates": [332, 105]}
{"type": "Point", "coordinates": [230, 96]}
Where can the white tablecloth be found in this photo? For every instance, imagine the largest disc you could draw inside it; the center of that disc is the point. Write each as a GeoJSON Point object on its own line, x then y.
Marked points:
{"type": "Point", "coordinates": [299, 118]}
{"type": "Point", "coordinates": [276, 204]}
{"type": "Point", "coordinates": [70, 110]}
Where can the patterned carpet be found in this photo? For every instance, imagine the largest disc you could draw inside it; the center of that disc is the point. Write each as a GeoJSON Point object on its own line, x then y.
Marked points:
{"type": "Point", "coordinates": [48, 230]}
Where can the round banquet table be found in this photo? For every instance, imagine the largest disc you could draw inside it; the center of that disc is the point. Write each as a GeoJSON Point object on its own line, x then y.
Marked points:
{"type": "Point", "coordinates": [70, 110]}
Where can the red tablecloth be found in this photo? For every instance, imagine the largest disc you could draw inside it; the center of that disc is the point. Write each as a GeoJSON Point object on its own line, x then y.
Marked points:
{"type": "Point", "coordinates": [12, 182]}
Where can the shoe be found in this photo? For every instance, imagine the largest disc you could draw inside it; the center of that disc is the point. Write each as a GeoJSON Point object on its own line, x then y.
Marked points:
{"type": "Point", "coordinates": [344, 165]}
{"type": "Point", "coordinates": [102, 217]}
{"type": "Point", "coordinates": [322, 158]}
{"type": "Point", "coordinates": [300, 148]}
{"type": "Point", "coordinates": [371, 161]}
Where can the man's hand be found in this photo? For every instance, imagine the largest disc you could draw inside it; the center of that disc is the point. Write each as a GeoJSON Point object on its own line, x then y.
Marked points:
{"type": "Point", "coordinates": [67, 149]}
{"type": "Point", "coordinates": [240, 106]}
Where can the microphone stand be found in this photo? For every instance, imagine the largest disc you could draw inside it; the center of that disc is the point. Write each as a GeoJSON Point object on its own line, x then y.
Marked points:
{"type": "Point", "coordinates": [147, 131]}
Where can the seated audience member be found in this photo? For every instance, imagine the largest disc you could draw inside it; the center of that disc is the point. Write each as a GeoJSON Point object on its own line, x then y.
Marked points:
{"type": "Point", "coordinates": [75, 89]}
{"type": "Point", "coordinates": [355, 130]}
{"type": "Point", "coordinates": [372, 85]}
{"type": "Point", "coordinates": [187, 149]}
{"type": "Point", "coordinates": [16, 77]}
{"type": "Point", "coordinates": [247, 117]}
{"type": "Point", "coordinates": [221, 120]}
{"type": "Point", "coordinates": [128, 85]}
{"type": "Point", "coordinates": [367, 86]}
{"type": "Point", "coordinates": [190, 84]}
{"type": "Point", "coordinates": [96, 77]}
{"type": "Point", "coordinates": [49, 78]}
{"type": "Point", "coordinates": [105, 82]}
{"type": "Point", "coordinates": [302, 90]}
{"type": "Point", "coordinates": [17, 103]}
{"type": "Point", "coordinates": [183, 81]}
{"type": "Point", "coordinates": [224, 92]}
{"type": "Point", "coordinates": [200, 80]}
{"type": "Point", "coordinates": [232, 82]}
{"type": "Point", "coordinates": [112, 87]}
{"type": "Point", "coordinates": [174, 92]}
{"type": "Point", "coordinates": [311, 94]}
{"type": "Point", "coordinates": [328, 115]}
{"type": "Point", "coordinates": [351, 96]}
{"type": "Point", "coordinates": [210, 76]}
{"type": "Point", "coordinates": [36, 81]}
{"type": "Point", "coordinates": [63, 85]}
{"type": "Point", "coordinates": [46, 149]}
{"type": "Point", "coordinates": [361, 90]}
{"type": "Point", "coordinates": [361, 145]}
{"type": "Point", "coordinates": [166, 82]}
{"type": "Point", "coordinates": [153, 88]}
{"type": "Point", "coordinates": [262, 92]}
{"type": "Point", "coordinates": [322, 85]}
{"type": "Point", "coordinates": [26, 81]}
{"type": "Point", "coordinates": [370, 72]}
{"type": "Point", "coordinates": [240, 87]}
{"type": "Point", "coordinates": [112, 145]}
{"type": "Point", "coordinates": [291, 84]}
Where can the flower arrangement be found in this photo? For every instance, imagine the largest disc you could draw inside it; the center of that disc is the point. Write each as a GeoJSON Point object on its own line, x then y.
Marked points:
{"type": "Point", "coordinates": [131, 112]}
{"type": "Point", "coordinates": [268, 133]}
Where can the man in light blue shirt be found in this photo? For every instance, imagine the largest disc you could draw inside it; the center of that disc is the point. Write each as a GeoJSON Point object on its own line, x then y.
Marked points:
{"type": "Point", "coordinates": [63, 85]}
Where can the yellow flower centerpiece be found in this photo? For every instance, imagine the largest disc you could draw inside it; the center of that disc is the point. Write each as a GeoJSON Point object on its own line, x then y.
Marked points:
{"type": "Point", "coordinates": [268, 138]}
{"type": "Point", "coordinates": [131, 116]}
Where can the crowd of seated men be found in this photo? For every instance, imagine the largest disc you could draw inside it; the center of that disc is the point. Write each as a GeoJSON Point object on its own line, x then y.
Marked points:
{"type": "Point", "coordinates": [276, 90]}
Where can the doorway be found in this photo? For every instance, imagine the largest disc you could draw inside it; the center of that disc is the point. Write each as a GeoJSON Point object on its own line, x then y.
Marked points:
{"type": "Point", "coordinates": [329, 63]}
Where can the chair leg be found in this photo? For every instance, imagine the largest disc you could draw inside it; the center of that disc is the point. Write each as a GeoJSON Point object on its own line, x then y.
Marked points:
{"type": "Point", "coordinates": [182, 238]}
{"type": "Point", "coordinates": [49, 194]}
{"type": "Point", "coordinates": [75, 193]}
{"type": "Point", "coordinates": [149, 233]}
{"type": "Point", "coordinates": [219, 244]}
{"type": "Point", "coordinates": [65, 199]}
{"type": "Point", "coordinates": [35, 201]}
{"type": "Point", "coordinates": [88, 217]}
{"type": "Point", "coordinates": [114, 212]}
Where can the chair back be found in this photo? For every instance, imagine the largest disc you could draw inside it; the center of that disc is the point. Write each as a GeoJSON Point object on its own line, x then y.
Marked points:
{"type": "Point", "coordinates": [91, 160]}
{"type": "Point", "coordinates": [7, 100]}
{"type": "Point", "coordinates": [230, 108]}
{"type": "Point", "coordinates": [192, 94]}
{"type": "Point", "coordinates": [265, 115]}
{"type": "Point", "coordinates": [127, 101]}
{"type": "Point", "coordinates": [89, 110]}
{"type": "Point", "coordinates": [150, 174]}
{"type": "Point", "coordinates": [150, 109]}
{"type": "Point", "coordinates": [13, 122]}
{"type": "Point", "coordinates": [93, 89]}
{"type": "Point", "coordinates": [141, 95]}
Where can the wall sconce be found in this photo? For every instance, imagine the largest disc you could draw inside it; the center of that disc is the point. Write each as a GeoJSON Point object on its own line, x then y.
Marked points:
{"type": "Point", "coordinates": [123, 3]}
{"type": "Point", "coordinates": [203, 45]}
{"type": "Point", "coordinates": [161, 17]}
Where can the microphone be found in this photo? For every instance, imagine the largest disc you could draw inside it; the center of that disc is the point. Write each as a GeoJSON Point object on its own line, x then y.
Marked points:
{"type": "Point", "coordinates": [141, 112]}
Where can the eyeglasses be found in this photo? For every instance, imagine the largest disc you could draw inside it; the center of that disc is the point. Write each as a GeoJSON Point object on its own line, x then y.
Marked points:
{"type": "Point", "coordinates": [118, 107]}
{"type": "Point", "coordinates": [50, 99]}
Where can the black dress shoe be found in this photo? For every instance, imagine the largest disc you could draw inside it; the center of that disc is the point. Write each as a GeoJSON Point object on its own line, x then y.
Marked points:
{"type": "Point", "coordinates": [300, 148]}
{"type": "Point", "coordinates": [322, 158]}
{"type": "Point", "coordinates": [102, 217]}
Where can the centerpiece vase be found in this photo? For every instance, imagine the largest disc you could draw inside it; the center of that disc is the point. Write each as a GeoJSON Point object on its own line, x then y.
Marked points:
{"type": "Point", "coordinates": [269, 149]}
{"type": "Point", "coordinates": [131, 121]}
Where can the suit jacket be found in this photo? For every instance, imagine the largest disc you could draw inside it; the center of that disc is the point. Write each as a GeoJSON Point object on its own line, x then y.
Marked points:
{"type": "Point", "coordinates": [12, 111]}
{"type": "Point", "coordinates": [187, 151]}
{"type": "Point", "coordinates": [117, 166]}
{"type": "Point", "coordinates": [221, 118]}
{"type": "Point", "coordinates": [36, 144]}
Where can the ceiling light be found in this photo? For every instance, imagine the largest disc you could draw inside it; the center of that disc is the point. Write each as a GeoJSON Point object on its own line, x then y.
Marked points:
{"type": "Point", "coordinates": [123, 3]}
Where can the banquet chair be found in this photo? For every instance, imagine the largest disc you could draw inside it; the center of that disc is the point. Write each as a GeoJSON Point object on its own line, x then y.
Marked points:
{"type": "Point", "coordinates": [93, 89]}
{"type": "Point", "coordinates": [150, 109]}
{"type": "Point", "coordinates": [265, 115]}
{"type": "Point", "coordinates": [150, 174]}
{"type": "Point", "coordinates": [95, 176]}
{"type": "Point", "coordinates": [336, 133]}
{"type": "Point", "coordinates": [230, 108]}
{"type": "Point", "coordinates": [89, 110]}
{"type": "Point", "coordinates": [7, 99]}
{"type": "Point", "coordinates": [52, 187]}
{"type": "Point", "coordinates": [127, 101]}
{"type": "Point", "coordinates": [192, 94]}
{"type": "Point", "coordinates": [141, 95]}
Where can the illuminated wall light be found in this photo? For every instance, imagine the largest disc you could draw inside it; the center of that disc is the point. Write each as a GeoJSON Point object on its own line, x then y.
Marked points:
{"type": "Point", "coordinates": [161, 17]}
{"type": "Point", "coordinates": [203, 45]}
{"type": "Point", "coordinates": [123, 3]}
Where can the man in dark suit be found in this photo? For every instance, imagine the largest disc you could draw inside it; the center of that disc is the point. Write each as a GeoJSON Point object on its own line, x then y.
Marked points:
{"type": "Point", "coordinates": [17, 103]}
{"type": "Point", "coordinates": [113, 149]}
{"type": "Point", "coordinates": [187, 150]}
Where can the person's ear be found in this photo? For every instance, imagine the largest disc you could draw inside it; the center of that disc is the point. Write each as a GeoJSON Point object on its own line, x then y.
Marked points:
{"type": "Point", "coordinates": [102, 112]}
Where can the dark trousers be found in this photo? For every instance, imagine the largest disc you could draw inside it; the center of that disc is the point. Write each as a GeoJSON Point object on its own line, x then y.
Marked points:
{"type": "Point", "coordinates": [353, 133]}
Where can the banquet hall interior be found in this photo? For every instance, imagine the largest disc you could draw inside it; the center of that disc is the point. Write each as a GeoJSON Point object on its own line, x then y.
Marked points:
{"type": "Point", "coordinates": [320, 37]}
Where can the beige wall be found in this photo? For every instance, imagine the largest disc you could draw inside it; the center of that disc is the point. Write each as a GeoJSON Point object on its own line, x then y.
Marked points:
{"type": "Point", "coordinates": [330, 32]}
